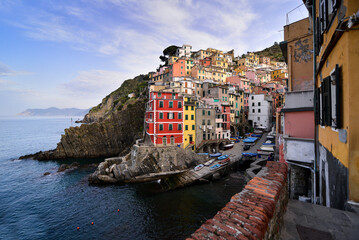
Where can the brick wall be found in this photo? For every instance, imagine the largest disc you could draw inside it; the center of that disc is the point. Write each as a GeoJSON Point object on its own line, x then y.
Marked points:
{"type": "Point", "coordinates": [254, 213]}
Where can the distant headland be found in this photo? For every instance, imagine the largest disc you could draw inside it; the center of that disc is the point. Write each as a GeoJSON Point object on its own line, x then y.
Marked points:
{"type": "Point", "coordinates": [53, 111]}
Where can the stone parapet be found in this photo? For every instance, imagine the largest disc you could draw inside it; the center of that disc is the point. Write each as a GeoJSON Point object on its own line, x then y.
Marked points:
{"type": "Point", "coordinates": [254, 213]}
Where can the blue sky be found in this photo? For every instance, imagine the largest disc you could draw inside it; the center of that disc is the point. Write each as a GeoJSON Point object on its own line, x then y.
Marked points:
{"type": "Point", "coordinates": [71, 53]}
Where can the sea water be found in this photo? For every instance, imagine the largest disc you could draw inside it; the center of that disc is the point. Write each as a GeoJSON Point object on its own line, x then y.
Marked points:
{"type": "Point", "coordinates": [35, 206]}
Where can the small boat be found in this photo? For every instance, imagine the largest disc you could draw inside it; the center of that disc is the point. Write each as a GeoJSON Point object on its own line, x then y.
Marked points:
{"type": "Point", "coordinates": [225, 161]}
{"type": "Point", "coordinates": [215, 154]}
{"type": "Point", "coordinates": [223, 157]}
{"type": "Point", "coordinates": [198, 167]}
{"type": "Point", "coordinates": [209, 162]}
{"type": "Point", "coordinates": [215, 166]}
{"type": "Point", "coordinates": [202, 154]}
{"type": "Point", "coordinates": [228, 146]}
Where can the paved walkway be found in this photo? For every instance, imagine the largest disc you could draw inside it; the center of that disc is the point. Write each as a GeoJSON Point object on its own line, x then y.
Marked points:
{"type": "Point", "coordinates": [308, 221]}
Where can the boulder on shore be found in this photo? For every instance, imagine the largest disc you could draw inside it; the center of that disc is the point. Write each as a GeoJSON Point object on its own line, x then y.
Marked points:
{"type": "Point", "coordinates": [142, 161]}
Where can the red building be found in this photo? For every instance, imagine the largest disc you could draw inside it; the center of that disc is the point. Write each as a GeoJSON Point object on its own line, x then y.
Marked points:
{"type": "Point", "coordinates": [164, 119]}
{"type": "Point", "coordinates": [205, 62]}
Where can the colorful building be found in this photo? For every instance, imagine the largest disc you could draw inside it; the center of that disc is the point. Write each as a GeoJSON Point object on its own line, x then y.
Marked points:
{"type": "Point", "coordinates": [189, 122]}
{"type": "Point", "coordinates": [205, 124]}
{"type": "Point", "coordinates": [337, 108]}
{"type": "Point", "coordinates": [164, 119]}
{"type": "Point", "coordinates": [236, 105]}
{"type": "Point", "coordinates": [241, 82]}
{"type": "Point", "coordinates": [279, 73]}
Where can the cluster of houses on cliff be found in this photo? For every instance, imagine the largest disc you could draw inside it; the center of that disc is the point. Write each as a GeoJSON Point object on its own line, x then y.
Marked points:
{"type": "Point", "coordinates": [200, 98]}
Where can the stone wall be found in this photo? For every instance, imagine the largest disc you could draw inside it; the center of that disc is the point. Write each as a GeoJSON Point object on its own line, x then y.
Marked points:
{"type": "Point", "coordinates": [256, 212]}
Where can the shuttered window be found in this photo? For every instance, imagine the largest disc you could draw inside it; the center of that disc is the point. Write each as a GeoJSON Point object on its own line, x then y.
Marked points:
{"type": "Point", "coordinates": [323, 15]}
{"type": "Point", "coordinates": [336, 119]}
{"type": "Point", "coordinates": [326, 102]}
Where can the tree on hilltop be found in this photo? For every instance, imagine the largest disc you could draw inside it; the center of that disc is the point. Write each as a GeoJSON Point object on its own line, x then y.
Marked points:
{"type": "Point", "coordinates": [168, 52]}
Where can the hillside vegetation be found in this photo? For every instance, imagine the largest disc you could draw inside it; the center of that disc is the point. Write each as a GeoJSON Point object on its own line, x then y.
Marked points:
{"type": "Point", "coordinates": [118, 99]}
{"type": "Point", "coordinates": [273, 52]}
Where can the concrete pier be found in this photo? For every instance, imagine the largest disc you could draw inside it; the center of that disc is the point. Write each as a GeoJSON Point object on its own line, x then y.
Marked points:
{"type": "Point", "coordinates": [191, 177]}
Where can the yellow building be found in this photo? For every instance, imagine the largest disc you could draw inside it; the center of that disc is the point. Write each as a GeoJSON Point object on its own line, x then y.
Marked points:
{"type": "Point", "coordinates": [250, 60]}
{"type": "Point", "coordinates": [189, 122]}
{"type": "Point", "coordinates": [236, 102]}
{"type": "Point", "coordinates": [214, 73]}
{"type": "Point", "coordinates": [337, 101]}
{"type": "Point", "coordinates": [188, 65]}
{"type": "Point", "coordinates": [279, 73]}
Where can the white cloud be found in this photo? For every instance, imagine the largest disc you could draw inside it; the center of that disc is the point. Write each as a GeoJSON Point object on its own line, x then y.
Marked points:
{"type": "Point", "coordinates": [94, 83]}
{"type": "Point", "coordinates": [7, 71]}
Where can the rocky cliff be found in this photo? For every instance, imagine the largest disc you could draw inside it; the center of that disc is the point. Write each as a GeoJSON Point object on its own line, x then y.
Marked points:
{"type": "Point", "coordinates": [109, 129]}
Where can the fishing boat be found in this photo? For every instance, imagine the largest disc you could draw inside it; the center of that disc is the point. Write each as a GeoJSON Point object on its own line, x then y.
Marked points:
{"type": "Point", "coordinates": [215, 166]}
{"type": "Point", "coordinates": [228, 146]}
{"type": "Point", "coordinates": [225, 161]}
{"type": "Point", "coordinates": [205, 154]}
{"type": "Point", "coordinates": [209, 162]}
{"type": "Point", "coordinates": [215, 154]}
{"type": "Point", "coordinates": [198, 167]}
{"type": "Point", "coordinates": [223, 157]}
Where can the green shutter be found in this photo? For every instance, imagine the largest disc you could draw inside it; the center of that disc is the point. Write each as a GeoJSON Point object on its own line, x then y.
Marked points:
{"type": "Point", "coordinates": [338, 96]}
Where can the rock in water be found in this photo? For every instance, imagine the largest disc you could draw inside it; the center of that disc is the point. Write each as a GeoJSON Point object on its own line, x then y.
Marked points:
{"type": "Point", "coordinates": [142, 161]}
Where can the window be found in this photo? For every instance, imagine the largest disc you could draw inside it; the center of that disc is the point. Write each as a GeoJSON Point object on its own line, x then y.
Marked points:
{"type": "Point", "coordinates": [173, 96]}
{"type": "Point", "coordinates": [192, 108]}
{"type": "Point", "coordinates": [259, 110]}
{"type": "Point", "coordinates": [161, 104]}
{"type": "Point", "coordinates": [252, 98]}
{"type": "Point", "coordinates": [164, 140]}
{"type": "Point", "coordinates": [170, 115]}
{"type": "Point", "coordinates": [159, 94]}
{"type": "Point", "coordinates": [204, 136]}
{"type": "Point", "coordinates": [192, 117]}
{"type": "Point", "coordinates": [259, 103]}
{"type": "Point", "coordinates": [186, 108]}
{"type": "Point", "coordinates": [203, 112]}
{"type": "Point", "coordinates": [209, 122]}
{"type": "Point", "coordinates": [161, 127]}
{"type": "Point", "coordinates": [179, 104]}
{"type": "Point", "coordinates": [259, 118]}
{"type": "Point", "coordinates": [252, 110]}
{"type": "Point", "coordinates": [170, 127]}
{"type": "Point", "coordinates": [179, 115]}
{"type": "Point", "coordinates": [161, 115]}
{"type": "Point", "coordinates": [209, 113]}
{"type": "Point", "coordinates": [179, 126]}
{"type": "Point", "coordinates": [193, 127]}
{"type": "Point", "coordinates": [186, 117]}
{"type": "Point", "coordinates": [172, 140]}
{"type": "Point", "coordinates": [186, 127]}
{"type": "Point", "coordinates": [203, 122]}
{"type": "Point", "coordinates": [170, 105]}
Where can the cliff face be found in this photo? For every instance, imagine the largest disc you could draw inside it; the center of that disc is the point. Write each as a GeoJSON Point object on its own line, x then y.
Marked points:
{"type": "Point", "coordinates": [109, 129]}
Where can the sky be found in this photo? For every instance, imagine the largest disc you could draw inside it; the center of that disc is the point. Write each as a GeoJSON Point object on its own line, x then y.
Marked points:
{"type": "Point", "coordinates": [72, 53]}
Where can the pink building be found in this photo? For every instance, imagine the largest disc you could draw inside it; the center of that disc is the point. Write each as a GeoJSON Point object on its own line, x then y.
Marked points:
{"type": "Point", "coordinates": [252, 77]}
{"type": "Point", "coordinates": [178, 69]}
{"type": "Point", "coordinates": [241, 82]}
